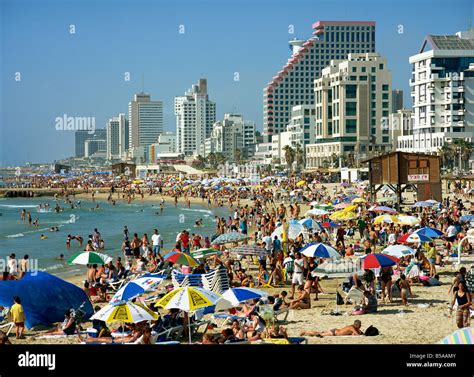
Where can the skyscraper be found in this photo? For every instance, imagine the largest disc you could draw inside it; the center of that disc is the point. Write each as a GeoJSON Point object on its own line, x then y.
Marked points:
{"type": "Point", "coordinates": [81, 137]}
{"type": "Point", "coordinates": [117, 137]}
{"type": "Point", "coordinates": [397, 100]}
{"type": "Point", "coordinates": [195, 115]}
{"type": "Point", "coordinates": [145, 120]}
{"type": "Point", "coordinates": [293, 84]}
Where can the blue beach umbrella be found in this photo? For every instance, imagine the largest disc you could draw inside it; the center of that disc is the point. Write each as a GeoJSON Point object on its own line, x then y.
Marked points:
{"type": "Point", "coordinates": [429, 232]}
{"type": "Point", "coordinates": [237, 295]}
{"type": "Point", "coordinates": [320, 250]}
{"type": "Point", "coordinates": [422, 204]}
{"type": "Point", "coordinates": [467, 218]}
{"type": "Point", "coordinates": [136, 287]}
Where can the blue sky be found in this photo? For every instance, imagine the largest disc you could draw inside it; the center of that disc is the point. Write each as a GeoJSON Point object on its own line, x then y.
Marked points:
{"type": "Point", "coordinates": [82, 74]}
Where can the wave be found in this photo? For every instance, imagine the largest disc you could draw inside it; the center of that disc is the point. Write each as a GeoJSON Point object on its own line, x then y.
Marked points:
{"type": "Point", "coordinates": [55, 267]}
{"type": "Point", "coordinates": [209, 212]}
{"type": "Point", "coordinates": [15, 235]}
{"type": "Point", "coordinates": [42, 210]}
{"type": "Point", "coordinates": [19, 206]}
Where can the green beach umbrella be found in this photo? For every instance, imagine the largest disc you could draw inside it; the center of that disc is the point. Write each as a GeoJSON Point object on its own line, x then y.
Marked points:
{"type": "Point", "coordinates": [204, 253]}
{"type": "Point", "coordinates": [89, 257]}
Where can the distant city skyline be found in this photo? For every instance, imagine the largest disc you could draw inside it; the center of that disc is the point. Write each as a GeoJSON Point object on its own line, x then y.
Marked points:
{"type": "Point", "coordinates": [76, 59]}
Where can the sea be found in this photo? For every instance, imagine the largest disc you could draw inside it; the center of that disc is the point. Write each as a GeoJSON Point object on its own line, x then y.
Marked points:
{"type": "Point", "coordinates": [140, 217]}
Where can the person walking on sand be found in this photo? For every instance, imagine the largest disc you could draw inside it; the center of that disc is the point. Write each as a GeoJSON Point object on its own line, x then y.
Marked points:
{"type": "Point", "coordinates": [18, 317]}
{"type": "Point", "coordinates": [405, 288]}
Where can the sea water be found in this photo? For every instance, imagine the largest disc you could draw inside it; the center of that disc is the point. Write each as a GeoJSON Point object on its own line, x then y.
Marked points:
{"type": "Point", "coordinates": [140, 217]}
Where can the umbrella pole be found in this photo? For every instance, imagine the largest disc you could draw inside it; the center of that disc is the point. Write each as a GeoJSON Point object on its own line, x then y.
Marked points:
{"type": "Point", "coordinates": [189, 329]}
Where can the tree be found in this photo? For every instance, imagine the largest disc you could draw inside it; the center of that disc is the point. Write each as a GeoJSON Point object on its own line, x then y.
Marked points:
{"type": "Point", "coordinates": [446, 154]}
{"type": "Point", "coordinates": [463, 150]}
{"type": "Point", "coordinates": [334, 160]}
{"type": "Point", "coordinates": [212, 160]}
{"type": "Point", "coordinates": [289, 156]}
{"type": "Point", "coordinates": [220, 158]}
{"type": "Point", "coordinates": [299, 156]}
{"type": "Point", "coordinates": [238, 156]}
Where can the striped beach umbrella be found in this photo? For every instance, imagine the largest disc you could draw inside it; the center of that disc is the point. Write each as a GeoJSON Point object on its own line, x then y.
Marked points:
{"type": "Point", "coordinates": [461, 336]}
{"type": "Point", "coordinates": [136, 288]}
{"type": "Point", "coordinates": [181, 258]}
{"type": "Point", "coordinates": [241, 294]}
{"type": "Point", "coordinates": [378, 261]}
{"type": "Point", "coordinates": [204, 253]}
{"type": "Point", "coordinates": [388, 219]}
{"type": "Point", "coordinates": [320, 250]}
{"type": "Point", "coordinates": [341, 268]}
{"type": "Point", "coordinates": [382, 209]}
{"type": "Point", "coordinates": [230, 237]}
{"type": "Point", "coordinates": [89, 257]}
{"type": "Point", "coordinates": [249, 250]}
{"type": "Point", "coordinates": [125, 313]}
{"type": "Point", "coordinates": [413, 238]}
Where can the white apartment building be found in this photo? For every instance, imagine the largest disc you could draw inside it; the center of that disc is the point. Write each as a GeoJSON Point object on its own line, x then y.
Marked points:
{"type": "Point", "coordinates": [117, 137]}
{"type": "Point", "coordinates": [293, 84]}
{"type": "Point", "coordinates": [302, 125]}
{"type": "Point", "coordinates": [279, 142]}
{"type": "Point", "coordinates": [229, 136]}
{"type": "Point", "coordinates": [442, 90]}
{"type": "Point", "coordinates": [195, 115]}
{"type": "Point", "coordinates": [263, 153]}
{"type": "Point", "coordinates": [353, 99]}
{"type": "Point", "coordinates": [400, 124]}
{"type": "Point", "coordinates": [165, 145]}
{"type": "Point", "coordinates": [145, 120]}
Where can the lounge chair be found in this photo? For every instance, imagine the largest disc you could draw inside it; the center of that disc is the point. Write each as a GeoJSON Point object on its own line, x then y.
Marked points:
{"type": "Point", "coordinates": [171, 334]}
{"type": "Point", "coordinates": [354, 296]}
{"type": "Point", "coordinates": [6, 325]}
{"type": "Point", "coordinates": [7, 328]}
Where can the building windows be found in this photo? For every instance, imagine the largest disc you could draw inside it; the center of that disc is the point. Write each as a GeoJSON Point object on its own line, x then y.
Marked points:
{"type": "Point", "coordinates": [351, 126]}
{"type": "Point", "coordinates": [351, 91]}
{"type": "Point", "coordinates": [351, 108]}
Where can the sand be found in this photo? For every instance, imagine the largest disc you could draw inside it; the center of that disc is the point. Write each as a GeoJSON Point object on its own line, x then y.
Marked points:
{"type": "Point", "coordinates": [426, 320]}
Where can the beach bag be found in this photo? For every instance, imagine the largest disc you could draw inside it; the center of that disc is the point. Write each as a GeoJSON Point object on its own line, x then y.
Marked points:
{"type": "Point", "coordinates": [371, 331]}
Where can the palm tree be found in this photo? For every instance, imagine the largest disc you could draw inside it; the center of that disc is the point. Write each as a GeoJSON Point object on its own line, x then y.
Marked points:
{"type": "Point", "coordinates": [289, 156]}
{"type": "Point", "coordinates": [211, 160]}
{"type": "Point", "coordinates": [220, 158]}
{"type": "Point", "coordinates": [463, 150]}
{"type": "Point", "coordinates": [299, 156]}
{"type": "Point", "coordinates": [446, 153]}
{"type": "Point", "coordinates": [334, 160]}
{"type": "Point", "coordinates": [238, 156]}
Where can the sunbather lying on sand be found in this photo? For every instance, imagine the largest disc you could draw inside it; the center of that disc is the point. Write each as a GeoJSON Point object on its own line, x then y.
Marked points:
{"type": "Point", "coordinates": [348, 330]}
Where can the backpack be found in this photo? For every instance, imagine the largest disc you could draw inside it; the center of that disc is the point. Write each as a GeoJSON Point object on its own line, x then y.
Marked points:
{"type": "Point", "coordinates": [339, 299]}
{"type": "Point", "coordinates": [371, 331]}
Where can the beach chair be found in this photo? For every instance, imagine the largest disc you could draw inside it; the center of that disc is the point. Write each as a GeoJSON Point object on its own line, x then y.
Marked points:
{"type": "Point", "coordinates": [354, 296]}
{"type": "Point", "coordinates": [7, 328]}
{"type": "Point", "coordinates": [196, 327]}
{"type": "Point", "coordinates": [6, 325]}
{"type": "Point", "coordinates": [171, 334]}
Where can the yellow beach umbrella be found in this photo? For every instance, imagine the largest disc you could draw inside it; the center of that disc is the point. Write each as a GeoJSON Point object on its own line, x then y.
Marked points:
{"type": "Point", "coordinates": [359, 200]}
{"type": "Point", "coordinates": [125, 313]}
{"type": "Point", "coordinates": [350, 208]}
{"type": "Point", "coordinates": [300, 183]}
{"type": "Point", "coordinates": [390, 219]}
{"type": "Point", "coordinates": [343, 215]}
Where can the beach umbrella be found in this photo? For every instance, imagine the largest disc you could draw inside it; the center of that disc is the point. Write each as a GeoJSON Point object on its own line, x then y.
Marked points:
{"type": "Point", "coordinates": [294, 230]}
{"type": "Point", "coordinates": [461, 336]}
{"type": "Point", "coordinates": [313, 203]}
{"type": "Point", "coordinates": [387, 199]}
{"type": "Point", "coordinates": [359, 200]}
{"type": "Point", "coordinates": [300, 183]}
{"type": "Point", "coordinates": [432, 201]}
{"type": "Point", "coordinates": [308, 223]}
{"type": "Point", "coordinates": [398, 251]}
{"type": "Point", "coordinates": [467, 218]}
{"type": "Point", "coordinates": [204, 253]}
{"type": "Point", "coordinates": [181, 258]}
{"type": "Point", "coordinates": [429, 232]}
{"type": "Point", "coordinates": [230, 237]}
{"type": "Point", "coordinates": [341, 205]}
{"type": "Point", "coordinates": [241, 294]}
{"type": "Point", "coordinates": [338, 269]}
{"type": "Point", "coordinates": [126, 313]}
{"type": "Point", "coordinates": [382, 209]}
{"type": "Point", "coordinates": [343, 215]}
{"type": "Point", "coordinates": [189, 299]}
{"type": "Point", "coordinates": [379, 261]}
{"type": "Point", "coordinates": [136, 287]}
{"type": "Point", "coordinates": [350, 208]}
{"type": "Point", "coordinates": [249, 250]}
{"type": "Point", "coordinates": [422, 204]}
{"type": "Point", "coordinates": [329, 224]}
{"type": "Point", "coordinates": [325, 206]}
{"type": "Point", "coordinates": [413, 238]}
{"type": "Point", "coordinates": [320, 250]}
{"type": "Point", "coordinates": [89, 257]}
{"type": "Point", "coordinates": [316, 212]}
{"type": "Point", "coordinates": [390, 219]}
{"type": "Point", "coordinates": [408, 220]}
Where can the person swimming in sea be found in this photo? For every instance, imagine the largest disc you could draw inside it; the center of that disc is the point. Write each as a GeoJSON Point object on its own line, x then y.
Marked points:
{"type": "Point", "coordinates": [199, 222]}
{"type": "Point", "coordinates": [43, 237]}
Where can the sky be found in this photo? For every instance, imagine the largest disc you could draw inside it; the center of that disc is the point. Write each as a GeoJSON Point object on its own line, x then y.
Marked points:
{"type": "Point", "coordinates": [71, 57]}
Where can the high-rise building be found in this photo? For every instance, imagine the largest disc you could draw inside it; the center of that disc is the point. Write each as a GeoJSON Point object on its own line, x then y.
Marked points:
{"type": "Point", "coordinates": [145, 120]}
{"type": "Point", "coordinates": [293, 84]}
{"type": "Point", "coordinates": [353, 100]}
{"type": "Point", "coordinates": [397, 100]}
{"type": "Point", "coordinates": [195, 115]}
{"type": "Point", "coordinates": [234, 137]}
{"type": "Point", "coordinates": [81, 136]}
{"type": "Point", "coordinates": [302, 125]}
{"type": "Point", "coordinates": [442, 90]}
{"type": "Point", "coordinates": [117, 137]}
